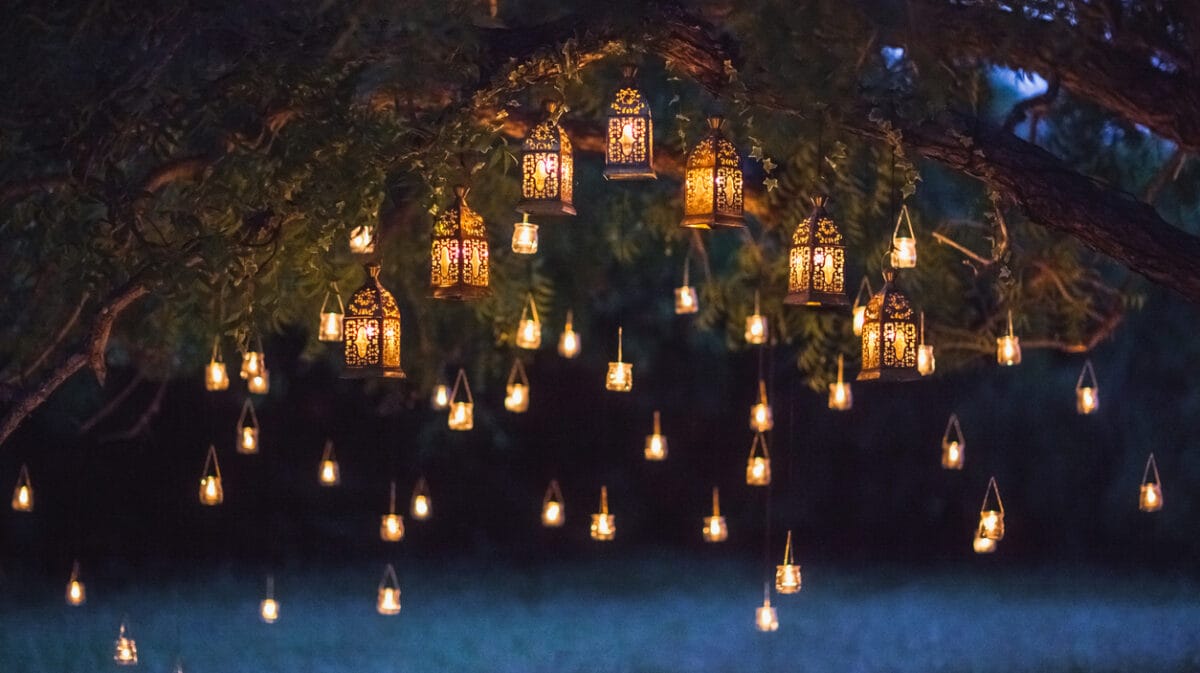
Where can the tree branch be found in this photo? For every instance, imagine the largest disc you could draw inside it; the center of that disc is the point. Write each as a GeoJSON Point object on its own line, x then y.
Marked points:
{"type": "Point", "coordinates": [112, 404]}
{"type": "Point", "coordinates": [143, 421]}
{"type": "Point", "coordinates": [62, 333]}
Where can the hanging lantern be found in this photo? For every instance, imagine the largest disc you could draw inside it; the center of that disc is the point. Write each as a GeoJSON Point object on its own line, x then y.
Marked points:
{"type": "Point", "coordinates": [765, 617]}
{"type": "Point", "coordinates": [1151, 499]}
{"type": "Point", "coordinates": [462, 414]}
{"type": "Point", "coordinates": [889, 338]}
{"type": "Point", "coordinates": [991, 520]}
{"type": "Point", "coordinates": [440, 399]}
{"type": "Point", "coordinates": [329, 473]}
{"type": "Point", "coordinates": [371, 333]}
{"type": "Point", "coordinates": [268, 608]}
{"type": "Point", "coordinates": [954, 447]}
{"type": "Point", "coordinates": [362, 240]}
{"type": "Point", "coordinates": [76, 591]}
{"type": "Point", "coordinates": [247, 430]}
{"type": "Point", "coordinates": [620, 374]}
{"type": "Point", "coordinates": [840, 396]}
{"type": "Point", "coordinates": [715, 529]}
{"type": "Point", "coordinates": [422, 504]}
{"type": "Point", "coordinates": [787, 575]}
{"type": "Point", "coordinates": [388, 602]}
{"type": "Point", "coordinates": [391, 525]}
{"type": "Point", "coordinates": [125, 648]}
{"type": "Point", "coordinates": [525, 236]}
{"type": "Point", "coordinates": [761, 418]}
{"type": "Point", "coordinates": [817, 261]}
{"type": "Point", "coordinates": [22, 499]}
{"type": "Point", "coordinates": [756, 325]}
{"type": "Point", "coordinates": [553, 513]}
{"type": "Point", "coordinates": [925, 362]}
{"type": "Point", "coordinates": [1087, 390]}
{"type": "Point", "coordinates": [758, 466]}
{"type": "Point", "coordinates": [253, 361]}
{"type": "Point", "coordinates": [547, 170]}
{"type": "Point", "coordinates": [568, 342]}
{"type": "Point", "coordinates": [686, 300]}
{"type": "Point", "coordinates": [330, 324]}
{"type": "Point", "coordinates": [982, 545]}
{"type": "Point", "coordinates": [215, 375]}
{"type": "Point", "coordinates": [516, 391]}
{"type": "Point", "coordinates": [656, 444]}
{"type": "Point", "coordinates": [1008, 347]}
{"type": "Point", "coordinates": [860, 306]}
{"type": "Point", "coordinates": [904, 248]}
{"type": "Point", "coordinates": [459, 253]}
{"type": "Point", "coordinates": [713, 184]}
{"type": "Point", "coordinates": [604, 525]}
{"type": "Point", "coordinates": [211, 491]}
{"type": "Point", "coordinates": [259, 384]}
{"type": "Point", "coordinates": [629, 145]}
{"type": "Point", "coordinates": [529, 327]}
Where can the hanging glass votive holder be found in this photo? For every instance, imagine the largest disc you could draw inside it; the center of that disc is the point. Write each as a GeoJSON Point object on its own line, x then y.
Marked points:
{"type": "Point", "coordinates": [981, 544]}
{"type": "Point", "coordinates": [756, 325]}
{"type": "Point", "coordinates": [568, 342]}
{"type": "Point", "coordinates": [758, 466]}
{"type": "Point", "coordinates": [761, 418]}
{"type": "Point", "coordinates": [391, 525]}
{"type": "Point", "coordinates": [925, 361]}
{"type": "Point", "coordinates": [715, 529]}
{"type": "Point", "coordinates": [604, 525]}
{"type": "Point", "coordinates": [686, 301]}
{"type": "Point", "coordinates": [422, 503]}
{"type": "Point", "coordinates": [525, 236]}
{"type": "Point", "coordinates": [216, 377]}
{"type": "Point", "coordinates": [440, 399]}
{"type": "Point", "coordinates": [388, 600]}
{"type": "Point", "coordinates": [22, 498]}
{"type": "Point", "coordinates": [766, 619]}
{"type": "Point", "coordinates": [462, 414]}
{"type": "Point", "coordinates": [656, 443]}
{"type": "Point", "coordinates": [329, 472]}
{"type": "Point", "coordinates": [529, 327]}
{"type": "Point", "coordinates": [841, 398]}
{"type": "Point", "coordinates": [1087, 390]}
{"type": "Point", "coordinates": [362, 239]}
{"type": "Point", "coordinates": [247, 430]}
{"type": "Point", "coordinates": [553, 512]}
{"type": "Point", "coordinates": [125, 648]}
{"type": "Point", "coordinates": [904, 248]}
{"type": "Point", "coordinates": [516, 391]}
{"type": "Point", "coordinates": [253, 361]}
{"type": "Point", "coordinates": [1151, 497]}
{"type": "Point", "coordinates": [954, 447]}
{"type": "Point", "coordinates": [787, 574]}
{"type": "Point", "coordinates": [991, 520]}
{"type": "Point", "coordinates": [859, 311]}
{"type": "Point", "coordinates": [1008, 347]}
{"type": "Point", "coordinates": [212, 493]}
{"type": "Point", "coordinates": [620, 373]}
{"type": "Point", "coordinates": [76, 591]}
{"type": "Point", "coordinates": [330, 327]}
{"type": "Point", "coordinates": [268, 608]}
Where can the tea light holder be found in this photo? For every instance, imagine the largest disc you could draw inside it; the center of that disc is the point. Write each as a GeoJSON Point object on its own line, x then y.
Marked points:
{"type": "Point", "coordinates": [462, 412]}
{"type": "Point", "coordinates": [1087, 390]}
{"type": "Point", "coordinates": [954, 447]}
{"type": "Point", "coordinates": [758, 465]}
{"type": "Point", "coordinates": [604, 525]}
{"type": "Point", "coordinates": [787, 574]}
{"type": "Point", "coordinates": [1151, 498]}
{"type": "Point", "coordinates": [715, 529]}
{"type": "Point", "coordinates": [656, 443]}
{"type": "Point", "coordinates": [247, 430]}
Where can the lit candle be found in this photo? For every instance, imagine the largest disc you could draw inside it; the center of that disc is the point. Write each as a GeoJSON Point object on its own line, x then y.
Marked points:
{"type": "Point", "coordinates": [525, 236]}
{"type": "Point", "coordinates": [330, 475]}
{"type": "Point", "coordinates": [420, 507]}
{"type": "Point", "coordinates": [362, 240]}
{"type": "Point", "coordinates": [441, 397]}
{"type": "Point", "coordinates": [249, 442]}
{"type": "Point", "coordinates": [904, 253]}
{"type": "Point", "coordinates": [860, 317]}
{"type": "Point", "coordinates": [331, 327]}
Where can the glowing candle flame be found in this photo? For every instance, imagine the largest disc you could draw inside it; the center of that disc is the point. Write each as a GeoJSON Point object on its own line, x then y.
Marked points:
{"type": "Point", "coordinates": [627, 139]}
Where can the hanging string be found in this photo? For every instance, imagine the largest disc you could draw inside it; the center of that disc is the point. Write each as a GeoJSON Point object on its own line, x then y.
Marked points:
{"type": "Point", "coordinates": [820, 151]}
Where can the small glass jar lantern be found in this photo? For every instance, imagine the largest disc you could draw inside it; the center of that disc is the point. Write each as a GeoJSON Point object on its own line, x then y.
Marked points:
{"type": "Point", "coordinates": [859, 310]}
{"type": "Point", "coordinates": [268, 608]}
{"type": "Point", "coordinates": [516, 391]}
{"type": "Point", "coordinates": [604, 525]}
{"type": "Point", "coordinates": [76, 591]}
{"type": "Point", "coordinates": [1087, 390]}
{"type": "Point", "coordinates": [656, 443]}
{"type": "Point", "coordinates": [991, 519]}
{"type": "Point", "coordinates": [22, 498]}
{"type": "Point", "coordinates": [216, 377]}
{"type": "Point", "coordinates": [1151, 498]}
{"type": "Point", "coordinates": [529, 327]}
{"type": "Point", "coordinates": [460, 267]}
{"type": "Point", "coordinates": [247, 430]}
{"type": "Point", "coordinates": [440, 399]}
{"type": "Point", "coordinates": [758, 466]}
{"type": "Point", "coordinates": [525, 236]}
{"type": "Point", "coordinates": [756, 325]}
{"type": "Point", "coordinates": [954, 446]}
{"type": "Point", "coordinates": [981, 544]}
{"type": "Point", "coordinates": [817, 261]}
{"type": "Point", "coordinates": [125, 647]}
{"type": "Point", "coordinates": [362, 239]}
{"type": "Point", "coordinates": [391, 525]}
{"type": "Point", "coordinates": [371, 334]}
{"type": "Point", "coordinates": [568, 342]}
{"type": "Point", "coordinates": [686, 301]}
{"type": "Point", "coordinates": [260, 383]}
{"type": "Point", "coordinates": [787, 574]}
{"type": "Point", "coordinates": [766, 619]}
{"type": "Point", "coordinates": [388, 600]}
{"type": "Point", "coordinates": [715, 529]}
{"type": "Point", "coordinates": [212, 493]}
{"type": "Point", "coordinates": [462, 413]}
{"type": "Point", "coordinates": [1008, 347]}
{"type": "Point", "coordinates": [713, 185]}
{"type": "Point", "coordinates": [904, 248]}
{"type": "Point", "coordinates": [889, 337]}
{"type": "Point", "coordinates": [329, 472]}
{"type": "Point", "coordinates": [841, 398]}
{"type": "Point", "coordinates": [254, 362]}
{"type": "Point", "coordinates": [761, 418]}
{"type": "Point", "coordinates": [926, 364]}
{"type": "Point", "coordinates": [620, 373]}
{"type": "Point", "coordinates": [422, 503]}
{"type": "Point", "coordinates": [329, 327]}
{"type": "Point", "coordinates": [553, 512]}
{"type": "Point", "coordinates": [629, 143]}
{"type": "Point", "coordinates": [547, 170]}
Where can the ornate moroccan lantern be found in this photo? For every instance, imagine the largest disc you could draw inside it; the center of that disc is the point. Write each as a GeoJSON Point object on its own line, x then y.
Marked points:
{"type": "Point", "coordinates": [765, 617]}
{"type": "Point", "coordinates": [1087, 390]}
{"type": "Point", "coordinates": [440, 399]}
{"type": "Point", "coordinates": [516, 391]}
{"type": "Point", "coordinates": [125, 648]}
{"type": "Point", "coordinates": [529, 327]}
{"type": "Point", "coordinates": [954, 447]}
{"type": "Point", "coordinates": [268, 608]}
{"type": "Point", "coordinates": [712, 194]}
{"type": "Point", "coordinates": [1008, 347]}
{"type": "Point", "coordinates": [756, 325]}
{"type": "Point", "coordinates": [620, 373]}
{"type": "Point", "coordinates": [761, 418]}
{"type": "Point", "coordinates": [547, 170]}
{"type": "Point", "coordinates": [925, 361]}
{"type": "Point", "coordinates": [715, 529]}
{"type": "Point", "coordinates": [629, 145]}
{"type": "Point", "coordinates": [604, 525]}
{"type": "Point", "coordinates": [840, 396]}
{"type": "Point", "coordinates": [329, 327]}
{"type": "Point", "coordinates": [329, 473]}
{"type": "Point", "coordinates": [216, 377]}
{"type": "Point", "coordinates": [462, 413]}
{"type": "Point", "coordinates": [460, 268]}
{"type": "Point", "coordinates": [247, 430]}
{"type": "Point", "coordinates": [211, 491]}
{"type": "Point", "coordinates": [686, 301]}
{"type": "Point", "coordinates": [860, 306]}
{"type": "Point", "coordinates": [391, 525]}
{"type": "Point", "coordinates": [1151, 499]}
{"type": "Point", "coordinates": [362, 240]}
{"type": "Point", "coordinates": [787, 575]}
{"type": "Point", "coordinates": [817, 261]}
{"type": "Point", "coordinates": [991, 519]}
{"type": "Point", "coordinates": [76, 591]}
{"type": "Point", "coordinates": [656, 443]}
{"type": "Point", "coordinates": [758, 466]}
{"type": "Point", "coordinates": [388, 601]}
{"type": "Point", "coordinates": [889, 338]}
{"type": "Point", "coordinates": [568, 342]}
{"type": "Point", "coordinates": [525, 236]}
{"type": "Point", "coordinates": [22, 499]}
{"type": "Point", "coordinates": [422, 504]}
{"type": "Point", "coordinates": [553, 513]}
{"type": "Point", "coordinates": [904, 248]}
{"type": "Point", "coordinates": [371, 334]}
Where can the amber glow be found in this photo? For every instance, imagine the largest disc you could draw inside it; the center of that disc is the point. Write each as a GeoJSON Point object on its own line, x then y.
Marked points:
{"type": "Point", "coordinates": [268, 608]}
{"type": "Point", "coordinates": [529, 327]}
{"type": "Point", "coordinates": [22, 499]}
{"type": "Point", "coordinates": [761, 418]}
{"type": "Point", "coordinates": [331, 326]}
{"type": "Point", "coordinates": [259, 384]}
{"type": "Point", "coordinates": [547, 171]}
{"type": "Point", "coordinates": [840, 396]}
{"type": "Point", "coordinates": [817, 261]}
{"type": "Point", "coordinates": [249, 441]}
{"type": "Point", "coordinates": [766, 619]}
{"type": "Point", "coordinates": [953, 445]}
{"type": "Point", "coordinates": [216, 377]}
{"type": "Point", "coordinates": [462, 412]}
{"type": "Point", "coordinates": [525, 236]}
{"type": "Point", "coordinates": [568, 342]}
{"type": "Point", "coordinates": [516, 398]}
{"type": "Point", "coordinates": [329, 473]}
{"type": "Point", "coordinates": [604, 525]}
{"type": "Point", "coordinates": [860, 306]}
{"type": "Point", "coordinates": [388, 600]}
{"type": "Point", "coordinates": [629, 142]}
{"type": "Point", "coordinates": [552, 506]}
{"type": "Point", "coordinates": [440, 399]}
{"type": "Point", "coordinates": [713, 183]}
{"type": "Point", "coordinates": [758, 465]}
{"type": "Point", "coordinates": [715, 529]}
{"type": "Point", "coordinates": [889, 336]}
{"type": "Point", "coordinates": [247, 430]}
{"type": "Point", "coordinates": [362, 240]}
{"type": "Point", "coordinates": [1087, 390]}
{"type": "Point", "coordinates": [76, 592]}
{"type": "Point", "coordinates": [125, 649]}
{"type": "Point", "coordinates": [252, 364]}
{"type": "Point", "coordinates": [904, 244]}
{"type": "Point", "coordinates": [422, 504]}
{"type": "Point", "coordinates": [620, 374]}
{"type": "Point", "coordinates": [983, 545]}
{"type": "Point", "coordinates": [756, 329]}
{"type": "Point", "coordinates": [371, 331]}
{"type": "Point", "coordinates": [656, 443]}
{"type": "Point", "coordinates": [391, 525]}
{"type": "Point", "coordinates": [1008, 347]}
{"type": "Point", "coordinates": [211, 492]}
{"type": "Point", "coordinates": [787, 574]}
{"type": "Point", "coordinates": [1151, 495]}
{"type": "Point", "coordinates": [685, 300]}
{"type": "Point", "coordinates": [460, 266]}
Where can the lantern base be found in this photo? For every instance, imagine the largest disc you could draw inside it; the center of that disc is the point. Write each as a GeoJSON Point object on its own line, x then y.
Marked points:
{"type": "Point", "coordinates": [898, 375]}
{"type": "Point", "coordinates": [373, 373]}
{"type": "Point", "coordinates": [710, 220]}
{"type": "Point", "coordinates": [629, 173]}
{"type": "Point", "coordinates": [461, 292]}
{"type": "Point", "coordinates": [817, 299]}
{"type": "Point", "coordinates": [551, 207]}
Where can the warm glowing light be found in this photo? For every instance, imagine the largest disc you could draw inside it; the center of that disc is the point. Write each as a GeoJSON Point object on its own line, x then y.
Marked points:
{"type": "Point", "coordinates": [76, 592]}
{"type": "Point", "coordinates": [860, 306]}
{"type": "Point", "coordinates": [247, 430]}
{"type": "Point", "coordinates": [362, 240]}
{"type": "Point", "coordinates": [954, 447]}
{"type": "Point", "coordinates": [553, 514]}
{"type": "Point", "coordinates": [840, 396]}
{"type": "Point", "coordinates": [761, 417]}
{"type": "Point", "coordinates": [817, 261]}
{"type": "Point", "coordinates": [983, 545]}
{"type": "Point", "coordinates": [125, 649]}
{"type": "Point", "coordinates": [860, 314]}
{"type": "Point", "coordinates": [568, 342]}
{"type": "Point", "coordinates": [529, 327]}
{"type": "Point", "coordinates": [253, 363]}
{"type": "Point", "coordinates": [1087, 390]}
{"type": "Point", "coordinates": [656, 443]}
{"type": "Point", "coordinates": [259, 384]}
{"type": "Point", "coordinates": [756, 325]}
{"type": "Point", "coordinates": [329, 473]}
{"type": "Point", "coordinates": [440, 399]}
{"type": "Point", "coordinates": [516, 398]}
{"type": "Point", "coordinates": [268, 608]}
{"type": "Point", "coordinates": [547, 170]}
{"type": "Point", "coordinates": [211, 491]}
{"type": "Point", "coordinates": [329, 327]}
{"type": "Point", "coordinates": [460, 267]}
{"type": "Point", "coordinates": [787, 574]}
{"type": "Point", "coordinates": [766, 619]}
{"type": "Point", "coordinates": [686, 301]}
{"type": "Point", "coordinates": [249, 441]}
{"type": "Point", "coordinates": [462, 412]}
{"type": "Point", "coordinates": [1008, 347]}
{"type": "Point", "coordinates": [758, 465]}
{"type": "Point", "coordinates": [1151, 496]}
{"type": "Point", "coordinates": [713, 183]}
{"type": "Point", "coordinates": [604, 525]}
{"type": "Point", "coordinates": [525, 236]}
{"type": "Point", "coordinates": [991, 521]}
{"type": "Point", "coordinates": [215, 375]}
{"type": "Point", "coordinates": [371, 334]}
{"type": "Point", "coordinates": [22, 499]}
{"type": "Point", "coordinates": [388, 600]}
{"type": "Point", "coordinates": [422, 503]}
{"type": "Point", "coordinates": [629, 142]}
{"type": "Point", "coordinates": [889, 335]}
{"type": "Point", "coordinates": [925, 361]}
{"type": "Point", "coordinates": [620, 374]}
{"type": "Point", "coordinates": [715, 529]}
{"type": "Point", "coordinates": [391, 525]}
{"type": "Point", "coordinates": [904, 248]}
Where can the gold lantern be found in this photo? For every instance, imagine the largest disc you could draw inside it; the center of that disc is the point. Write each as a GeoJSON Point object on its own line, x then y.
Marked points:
{"type": "Point", "coordinates": [620, 374]}
{"type": "Point", "coordinates": [1151, 499]}
{"type": "Point", "coordinates": [547, 170]}
{"type": "Point", "coordinates": [125, 648]}
{"type": "Point", "coordinates": [904, 248]}
{"type": "Point", "coordinates": [756, 325]}
{"type": "Point", "coordinates": [991, 518]}
{"type": "Point", "coordinates": [391, 525]}
{"type": "Point", "coordinates": [371, 334]}
{"type": "Point", "coordinates": [889, 337]}
{"type": "Point", "coordinates": [516, 391]}
{"type": "Point", "coordinates": [525, 236]}
{"type": "Point", "coordinates": [459, 253]}
{"type": "Point", "coordinates": [329, 473]}
{"type": "Point", "coordinates": [954, 447]}
{"type": "Point", "coordinates": [462, 414]}
{"type": "Point", "coordinates": [22, 499]}
{"type": "Point", "coordinates": [715, 529]}
{"type": "Point", "coordinates": [268, 608]}
{"type": "Point", "coordinates": [629, 144]}
{"type": "Point", "coordinates": [247, 430]}
{"type": "Point", "coordinates": [422, 504]}
{"type": "Point", "coordinates": [817, 261]}
{"type": "Point", "coordinates": [362, 239]}
{"type": "Point", "coordinates": [440, 399]}
{"type": "Point", "coordinates": [216, 377]}
{"type": "Point", "coordinates": [787, 575]}
{"type": "Point", "coordinates": [766, 619]}
{"type": "Point", "coordinates": [329, 327]}
{"type": "Point", "coordinates": [925, 362]}
{"type": "Point", "coordinates": [212, 493]}
{"type": "Point", "coordinates": [686, 300]}
{"type": "Point", "coordinates": [1008, 347]}
{"type": "Point", "coordinates": [758, 466]}
{"type": "Point", "coordinates": [713, 183]}
{"type": "Point", "coordinates": [761, 418]}
{"type": "Point", "coordinates": [529, 327]}
{"type": "Point", "coordinates": [553, 513]}
{"type": "Point", "coordinates": [840, 396]}
{"type": "Point", "coordinates": [568, 342]}
{"type": "Point", "coordinates": [388, 601]}
{"type": "Point", "coordinates": [860, 306]}
{"type": "Point", "coordinates": [656, 443]}
{"type": "Point", "coordinates": [604, 525]}
{"type": "Point", "coordinates": [1087, 390]}
{"type": "Point", "coordinates": [76, 591]}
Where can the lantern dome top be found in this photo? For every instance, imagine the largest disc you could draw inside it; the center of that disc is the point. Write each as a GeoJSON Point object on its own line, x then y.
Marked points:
{"type": "Point", "coordinates": [547, 137]}
{"type": "Point", "coordinates": [890, 303]}
{"type": "Point", "coordinates": [818, 227]}
{"type": "Point", "coordinates": [372, 300]}
{"type": "Point", "coordinates": [715, 150]}
{"type": "Point", "coordinates": [629, 101]}
{"type": "Point", "coordinates": [459, 220]}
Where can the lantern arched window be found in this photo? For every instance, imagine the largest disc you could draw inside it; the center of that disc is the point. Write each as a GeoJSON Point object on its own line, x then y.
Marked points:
{"type": "Point", "coordinates": [547, 171]}
{"type": "Point", "coordinates": [629, 146]}
{"type": "Point", "coordinates": [371, 331]}
{"type": "Point", "coordinates": [889, 337]}
{"type": "Point", "coordinates": [459, 253]}
{"type": "Point", "coordinates": [817, 261]}
{"type": "Point", "coordinates": [713, 183]}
